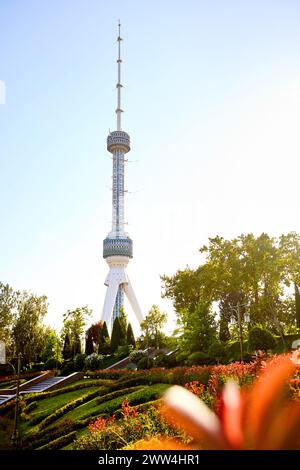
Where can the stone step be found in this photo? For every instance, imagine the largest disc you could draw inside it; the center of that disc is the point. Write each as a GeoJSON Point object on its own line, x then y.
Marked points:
{"type": "Point", "coordinates": [44, 385]}
{"type": "Point", "coordinates": [4, 398]}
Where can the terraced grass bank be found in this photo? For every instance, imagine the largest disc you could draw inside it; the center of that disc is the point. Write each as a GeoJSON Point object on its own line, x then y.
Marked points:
{"type": "Point", "coordinates": [53, 420]}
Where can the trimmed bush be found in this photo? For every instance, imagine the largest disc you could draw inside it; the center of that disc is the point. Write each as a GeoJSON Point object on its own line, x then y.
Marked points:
{"type": "Point", "coordinates": [261, 338]}
{"type": "Point", "coordinates": [136, 355]}
{"type": "Point", "coordinates": [52, 363]}
{"type": "Point", "coordinates": [145, 363]}
{"type": "Point", "coordinates": [60, 442]}
{"type": "Point", "coordinates": [79, 361]}
{"type": "Point", "coordinates": [198, 358]}
{"type": "Point", "coordinates": [217, 351]}
{"type": "Point", "coordinates": [93, 361]}
{"type": "Point", "coordinates": [67, 367]}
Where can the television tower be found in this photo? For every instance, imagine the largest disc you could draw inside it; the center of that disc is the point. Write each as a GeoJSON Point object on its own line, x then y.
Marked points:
{"type": "Point", "coordinates": [117, 246]}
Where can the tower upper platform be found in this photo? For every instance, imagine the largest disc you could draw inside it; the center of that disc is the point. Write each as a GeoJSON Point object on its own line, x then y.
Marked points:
{"type": "Point", "coordinates": [117, 247]}
{"type": "Point", "coordinates": [118, 140]}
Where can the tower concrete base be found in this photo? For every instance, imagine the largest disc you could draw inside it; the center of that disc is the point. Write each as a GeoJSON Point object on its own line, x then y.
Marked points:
{"type": "Point", "coordinates": [118, 276]}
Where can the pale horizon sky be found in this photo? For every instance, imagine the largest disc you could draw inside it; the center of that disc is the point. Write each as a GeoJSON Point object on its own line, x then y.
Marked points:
{"type": "Point", "coordinates": [212, 104]}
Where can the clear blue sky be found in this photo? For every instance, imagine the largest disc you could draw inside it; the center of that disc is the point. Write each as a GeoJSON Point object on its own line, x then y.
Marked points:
{"type": "Point", "coordinates": [212, 101]}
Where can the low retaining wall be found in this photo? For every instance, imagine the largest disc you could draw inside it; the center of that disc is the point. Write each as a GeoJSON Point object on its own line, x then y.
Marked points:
{"type": "Point", "coordinates": [29, 383]}
{"type": "Point", "coordinates": [66, 381]}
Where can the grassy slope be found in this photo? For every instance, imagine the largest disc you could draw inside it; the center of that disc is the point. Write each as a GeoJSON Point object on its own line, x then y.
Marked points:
{"type": "Point", "coordinates": [139, 394]}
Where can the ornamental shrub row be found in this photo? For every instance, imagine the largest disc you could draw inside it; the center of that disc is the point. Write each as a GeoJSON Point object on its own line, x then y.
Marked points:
{"type": "Point", "coordinates": [68, 407]}
{"type": "Point", "coordinates": [60, 442]}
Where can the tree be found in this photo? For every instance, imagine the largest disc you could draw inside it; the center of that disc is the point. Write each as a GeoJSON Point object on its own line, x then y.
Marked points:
{"type": "Point", "coordinates": [67, 350]}
{"type": "Point", "coordinates": [118, 335]}
{"type": "Point", "coordinates": [153, 324]}
{"type": "Point", "coordinates": [130, 336]}
{"type": "Point", "coordinates": [104, 340]}
{"type": "Point", "coordinates": [28, 332]}
{"type": "Point", "coordinates": [92, 336]}
{"type": "Point", "coordinates": [52, 346]}
{"type": "Point", "coordinates": [74, 325]}
{"type": "Point", "coordinates": [8, 312]}
{"type": "Point", "coordinates": [198, 328]}
{"type": "Point", "coordinates": [89, 346]}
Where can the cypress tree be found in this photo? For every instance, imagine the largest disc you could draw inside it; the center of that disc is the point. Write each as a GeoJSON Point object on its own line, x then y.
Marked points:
{"type": "Point", "coordinates": [89, 346]}
{"type": "Point", "coordinates": [130, 336]}
{"type": "Point", "coordinates": [104, 340]}
{"type": "Point", "coordinates": [67, 350]}
{"type": "Point", "coordinates": [118, 336]}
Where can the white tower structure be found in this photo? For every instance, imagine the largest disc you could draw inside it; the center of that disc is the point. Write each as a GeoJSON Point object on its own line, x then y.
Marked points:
{"type": "Point", "coordinates": [117, 246]}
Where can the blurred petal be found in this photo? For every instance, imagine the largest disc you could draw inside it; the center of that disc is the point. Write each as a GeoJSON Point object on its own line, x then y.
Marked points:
{"type": "Point", "coordinates": [266, 397]}
{"type": "Point", "coordinates": [232, 414]}
{"type": "Point", "coordinates": [191, 414]}
{"type": "Point", "coordinates": [284, 431]}
{"type": "Point", "coordinates": [159, 443]}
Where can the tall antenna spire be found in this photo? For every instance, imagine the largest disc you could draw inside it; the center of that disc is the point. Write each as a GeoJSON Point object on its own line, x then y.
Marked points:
{"type": "Point", "coordinates": [119, 111]}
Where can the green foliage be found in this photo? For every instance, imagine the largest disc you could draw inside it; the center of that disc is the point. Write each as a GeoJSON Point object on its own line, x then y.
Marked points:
{"type": "Point", "coordinates": [67, 367]}
{"type": "Point", "coordinates": [125, 431]}
{"type": "Point", "coordinates": [136, 355]}
{"type": "Point", "coordinates": [28, 332]}
{"type": "Point", "coordinates": [8, 307]}
{"type": "Point", "coordinates": [130, 336]}
{"type": "Point", "coordinates": [152, 326]}
{"type": "Point", "coordinates": [52, 346]}
{"type": "Point", "coordinates": [59, 442]}
{"type": "Point", "coordinates": [217, 351]}
{"type": "Point", "coordinates": [124, 351]}
{"type": "Point", "coordinates": [93, 361]}
{"type": "Point", "coordinates": [162, 360]}
{"type": "Point", "coordinates": [181, 357]}
{"type": "Point", "coordinates": [198, 328]}
{"type": "Point", "coordinates": [51, 363]}
{"type": "Point", "coordinates": [79, 361]}
{"type": "Point", "coordinates": [74, 326]}
{"type": "Point", "coordinates": [297, 304]}
{"type": "Point", "coordinates": [256, 268]}
{"type": "Point", "coordinates": [261, 338]}
{"type": "Point", "coordinates": [198, 358]}
{"type": "Point", "coordinates": [104, 340]}
{"type": "Point", "coordinates": [89, 346]}
{"type": "Point", "coordinates": [118, 336]}
{"type": "Point", "coordinates": [67, 350]}
{"type": "Point", "coordinates": [145, 363]}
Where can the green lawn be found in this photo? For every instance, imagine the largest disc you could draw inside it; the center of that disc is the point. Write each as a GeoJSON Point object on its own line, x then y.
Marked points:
{"type": "Point", "coordinates": [51, 404]}
{"type": "Point", "coordinates": [92, 409]}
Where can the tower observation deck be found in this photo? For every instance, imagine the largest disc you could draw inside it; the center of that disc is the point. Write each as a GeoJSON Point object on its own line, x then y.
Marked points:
{"type": "Point", "coordinates": [117, 246]}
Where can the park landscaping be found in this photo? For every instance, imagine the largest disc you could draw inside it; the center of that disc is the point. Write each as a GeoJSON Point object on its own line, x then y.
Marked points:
{"type": "Point", "coordinates": [113, 409]}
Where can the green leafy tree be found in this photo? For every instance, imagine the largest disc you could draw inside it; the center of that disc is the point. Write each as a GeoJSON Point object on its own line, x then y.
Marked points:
{"type": "Point", "coordinates": [104, 340]}
{"type": "Point", "coordinates": [198, 328]}
{"type": "Point", "coordinates": [52, 346]}
{"type": "Point", "coordinates": [152, 326]}
{"type": "Point", "coordinates": [28, 332]}
{"type": "Point", "coordinates": [8, 312]}
{"type": "Point", "coordinates": [118, 335]}
{"type": "Point", "coordinates": [74, 325]}
{"type": "Point", "coordinates": [130, 336]}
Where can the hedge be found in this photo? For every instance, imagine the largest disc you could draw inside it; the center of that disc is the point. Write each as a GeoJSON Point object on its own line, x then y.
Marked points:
{"type": "Point", "coordinates": [69, 388]}
{"type": "Point", "coordinates": [60, 442]}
